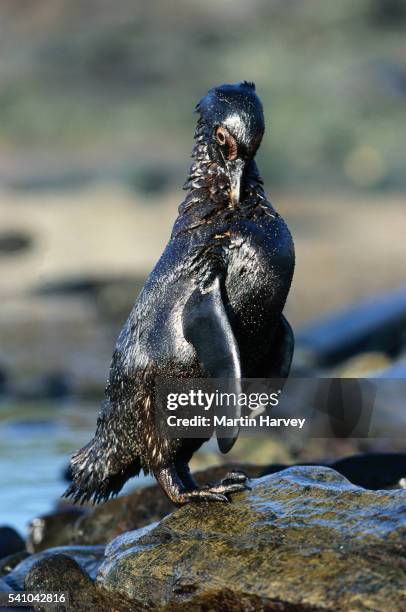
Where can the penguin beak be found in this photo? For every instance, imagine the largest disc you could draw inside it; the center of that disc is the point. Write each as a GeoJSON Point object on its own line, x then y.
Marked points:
{"type": "Point", "coordinates": [235, 170]}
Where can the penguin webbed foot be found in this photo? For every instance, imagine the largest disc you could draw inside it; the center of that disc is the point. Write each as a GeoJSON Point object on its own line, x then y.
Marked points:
{"type": "Point", "coordinates": [179, 494]}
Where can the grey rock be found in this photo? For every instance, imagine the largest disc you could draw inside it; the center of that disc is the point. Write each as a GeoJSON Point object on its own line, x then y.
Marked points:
{"type": "Point", "coordinates": [52, 529]}
{"type": "Point", "coordinates": [61, 573]}
{"type": "Point", "coordinates": [14, 242]}
{"type": "Point", "coordinates": [302, 539]}
{"type": "Point", "coordinates": [375, 324]}
{"type": "Point", "coordinates": [88, 557]}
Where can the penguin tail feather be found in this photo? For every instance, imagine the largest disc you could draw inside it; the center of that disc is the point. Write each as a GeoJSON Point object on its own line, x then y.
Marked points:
{"type": "Point", "coordinates": [95, 476]}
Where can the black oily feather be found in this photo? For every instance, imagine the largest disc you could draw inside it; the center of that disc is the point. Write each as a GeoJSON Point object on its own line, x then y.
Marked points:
{"type": "Point", "coordinates": [101, 468]}
{"type": "Point", "coordinates": [211, 238]}
{"type": "Point", "coordinates": [249, 84]}
{"type": "Point", "coordinates": [89, 490]}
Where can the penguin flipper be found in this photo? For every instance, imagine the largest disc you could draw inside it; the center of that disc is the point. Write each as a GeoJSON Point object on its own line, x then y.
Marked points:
{"type": "Point", "coordinates": [207, 327]}
{"type": "Point", "coordinates": [283, 344]}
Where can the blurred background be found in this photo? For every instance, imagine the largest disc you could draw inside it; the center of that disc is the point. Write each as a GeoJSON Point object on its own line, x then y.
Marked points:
{"type": "Point", "coordinates": [96, 129]}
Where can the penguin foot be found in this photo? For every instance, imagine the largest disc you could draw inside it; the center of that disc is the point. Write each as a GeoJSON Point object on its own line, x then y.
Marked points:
{"type": "Point", "coordinates": [226, 489]}
{"type": "Point", "coordinates": [199, 495]}
{"type": "Point", "coordinates": [180, 492]}
{"type": "Point", "coordinates": [179, 486]}
{"type": "Point", "coordinates": [231, 483]}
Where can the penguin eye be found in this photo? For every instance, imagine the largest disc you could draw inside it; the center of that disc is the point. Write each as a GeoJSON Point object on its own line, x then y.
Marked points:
{"type": "Point", "coordinates": [223, 138]}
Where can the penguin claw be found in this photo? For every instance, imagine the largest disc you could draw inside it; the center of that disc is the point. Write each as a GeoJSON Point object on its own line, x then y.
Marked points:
{"type": "Point", "coordinates": [220, 497]}
{"type": "Point", "coordinates": [226, 489]}
{"type": "Point", "coordinates": [206, 495]}
{"type": "Point", "coordinates": [233, 482]}
{"type": "Point", "coordinates": [187, 491]}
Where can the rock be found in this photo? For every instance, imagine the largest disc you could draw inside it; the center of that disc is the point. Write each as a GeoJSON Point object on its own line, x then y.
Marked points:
{"type": "Point", "coordinates": [45, 531]}
{"type": "Point", "coordinates": [386, 13]}
{"type": "Point", "coordinates": [368, 470]}
{"type": "Point", "coordinates": [128, 512]}
{"type": "Point", "coordinates": [376, 324]}
{"type": "Point", "coordinates": [88, 557]}
{"type": "Point", "coordinates": [61, 573]}
{"type": "Point", "coordinates": [397, 370]}
{"type": "Point", "coordinates": [373, 470]}
{"type": "Point", "coordinates": [52, 386]}
{"type": "Point", "coordinates": [119, 515]}
{"type": "Point", "coordinates": [14, 242]}
{"type": "Point", "coordinates": [112, 297]}
{"type": "Point", "coordinates": [8, 563]}
{"type": "Point", "coordinates": [4, 587]}
{"type": "Point", "coordinates": [10, 541]}
{"type": "Point", "coordinates": [301, 539]}
{"type": "Point", "coordinates": [363, 365]}
{"type": "Point", "coordinates": [4, 382]}
{"type": "Point", "coordinates": [32, 332]}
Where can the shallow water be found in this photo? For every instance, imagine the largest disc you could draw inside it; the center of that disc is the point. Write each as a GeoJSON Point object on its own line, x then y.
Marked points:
{"type": "Point", "coordinates": [36, 441]}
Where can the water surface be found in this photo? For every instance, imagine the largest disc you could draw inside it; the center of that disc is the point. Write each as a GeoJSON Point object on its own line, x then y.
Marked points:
{"type": "Point", "coordinates": [36, 441]}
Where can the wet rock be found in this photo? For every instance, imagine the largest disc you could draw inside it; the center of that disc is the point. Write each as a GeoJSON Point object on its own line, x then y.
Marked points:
{"type": "Point", "coordinates": [132, 511]}
{"type": "Point", "coordinates": [9, 563]}
{"type": "Point", "coordinates": [368, 470]}
{"type": "Point", "coordinates": [120, 515]}
{"type": "Point", "coordinates": [61, 573]}
{"type": "Point", "coordinates": [45, 531]}
{"type": "Point", "coordinates": [304, 538]}
{"type": "Point", "coordinates": [88, 557]}
{"type": "Point", "coordinates": [10, 541]}
{"type": "Point", "coordinates": [376, 324]}
{"type": "Point", "coordinates": [5, 587]}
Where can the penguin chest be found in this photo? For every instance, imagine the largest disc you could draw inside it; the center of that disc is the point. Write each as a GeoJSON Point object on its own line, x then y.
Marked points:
{"type": "Point", "coordinates": [259, 274]}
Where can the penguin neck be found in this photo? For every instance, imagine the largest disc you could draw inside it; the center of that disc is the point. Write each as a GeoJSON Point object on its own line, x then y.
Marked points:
{"type": "Point", "coordinates": [209, 185]}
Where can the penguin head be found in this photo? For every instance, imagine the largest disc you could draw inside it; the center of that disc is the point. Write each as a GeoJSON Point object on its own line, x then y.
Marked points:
{"type": "Point", "coordinates": [234, 121]}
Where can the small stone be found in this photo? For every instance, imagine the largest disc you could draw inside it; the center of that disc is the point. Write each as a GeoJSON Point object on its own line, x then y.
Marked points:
{"type": "Point", "coordinates": [88, 557]}
{"type": "Point", "coordinates": [60, 573]}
